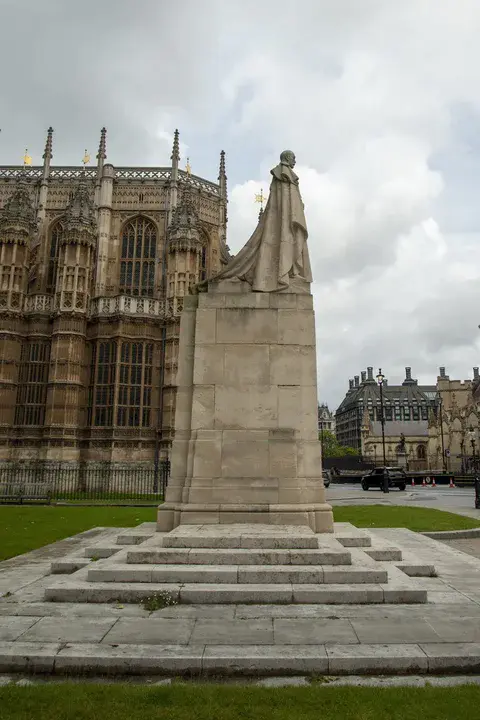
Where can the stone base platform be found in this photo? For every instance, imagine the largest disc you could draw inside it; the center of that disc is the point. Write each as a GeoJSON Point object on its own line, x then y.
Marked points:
{"type": "Point", "coordinates": [211, 564]}
{"type": "Point", "coordinates": [265, 602]}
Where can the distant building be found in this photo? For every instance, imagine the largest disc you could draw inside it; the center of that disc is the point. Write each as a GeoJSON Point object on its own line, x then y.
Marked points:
{"type": "Point", "coordinates": [406, 443]}
{"type": "Point", "coordinates": [453, 429]}
{"type": "Point", "coordinates": [406, 410]}
{"type": "Point", "coordinates": [326, 419]}
{"type": "Point", "coordinates": [95, 262]}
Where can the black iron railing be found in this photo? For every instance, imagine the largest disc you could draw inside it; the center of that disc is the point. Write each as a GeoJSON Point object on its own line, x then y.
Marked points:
{"type": "Point", "coordinates": [76, 482]}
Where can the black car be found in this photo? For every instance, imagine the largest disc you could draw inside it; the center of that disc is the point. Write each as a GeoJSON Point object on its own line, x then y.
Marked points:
{"type": "Point", "coordinates": [375, 478]}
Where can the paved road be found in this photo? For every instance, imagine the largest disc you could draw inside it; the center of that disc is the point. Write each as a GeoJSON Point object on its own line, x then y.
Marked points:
{"type": "Point", "coordinates": [459, 500]}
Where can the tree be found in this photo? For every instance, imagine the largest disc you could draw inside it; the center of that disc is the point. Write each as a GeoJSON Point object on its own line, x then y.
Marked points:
{"type": "Point", "coordinates": [331, 446]}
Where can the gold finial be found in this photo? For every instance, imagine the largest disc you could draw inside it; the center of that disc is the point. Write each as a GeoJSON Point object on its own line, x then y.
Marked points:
{"type": "Point", "coordinates": [187, 167]}
{"type": "Point", "coordinates": [86, 158]}
{"type": "Point", "coordinates": [260, 198]}
{"type": "Point", "coordinates": [27, 160]}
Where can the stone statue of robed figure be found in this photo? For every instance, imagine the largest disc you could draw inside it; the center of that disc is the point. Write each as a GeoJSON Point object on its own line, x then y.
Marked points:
{"type": "Point", "coordinates": [277, 252]}
{"type": "Point", "coordinates": [246, 447]}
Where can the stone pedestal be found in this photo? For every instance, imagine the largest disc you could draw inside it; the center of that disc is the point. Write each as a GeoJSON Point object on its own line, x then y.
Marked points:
{"type": "Point", "coordinates": [402, 460]}
{"type": "Point", "coordinates": [246, 446]}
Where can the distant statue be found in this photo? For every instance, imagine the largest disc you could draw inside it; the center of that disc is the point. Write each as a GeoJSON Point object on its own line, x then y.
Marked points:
{"type": "Point", "coordinates": [276, 256]}
{"type": "Point", "coordinates": [401, 447]}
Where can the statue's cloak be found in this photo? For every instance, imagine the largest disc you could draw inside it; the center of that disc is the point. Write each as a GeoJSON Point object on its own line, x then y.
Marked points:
{"type": "Point", "coordinates": [277, 251]}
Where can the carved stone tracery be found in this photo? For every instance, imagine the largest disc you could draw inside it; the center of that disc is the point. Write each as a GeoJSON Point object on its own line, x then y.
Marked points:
{"type": "Point", "coordinates": [82, 309]}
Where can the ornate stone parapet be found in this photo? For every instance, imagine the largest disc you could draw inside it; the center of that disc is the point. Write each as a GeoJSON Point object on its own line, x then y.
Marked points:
{"type": "Point", "coordinates": [38, 303]}
{"type": "Point", "coordinates": [136, 306]}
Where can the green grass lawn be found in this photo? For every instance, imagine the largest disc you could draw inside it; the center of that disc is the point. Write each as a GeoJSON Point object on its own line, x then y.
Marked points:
{"type": "Point", "coordinates": [24, 528]}
{"type": "Point", "coordinates": [412, 518]}
{"type": "Point", "coordinates": [217, 702]}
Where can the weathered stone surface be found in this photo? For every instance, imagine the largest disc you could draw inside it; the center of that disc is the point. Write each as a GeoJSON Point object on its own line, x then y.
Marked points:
{"type": "Point", "coordinates": [233, 632]}
{"type": "Point", "coordinates": [129, 659]}
{"type": "Point", "coordinates": [53, 630]}
{"type": "Point", "coordinates": [253, 659]}
{"type": "Point", "coordinates": [452, 657]}
{"type": "Point", "coordinates": [391, 632]}
{"type": "Point", "coordinates": [12, 628]}
{"type": "Point", "coordinates": [33, 657]}
{"type": "Point", "coordinates": [313, 631]}
{"type": "Point", "coordinates": [376, 659]}
{"type": "Point", "coordinates": [153, 630]}
{"type": "Point", "coordinates": [251, 383]}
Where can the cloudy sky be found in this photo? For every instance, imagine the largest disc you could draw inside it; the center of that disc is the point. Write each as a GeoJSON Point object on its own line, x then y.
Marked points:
{"type": "Point", "coordinates": [379, 100]}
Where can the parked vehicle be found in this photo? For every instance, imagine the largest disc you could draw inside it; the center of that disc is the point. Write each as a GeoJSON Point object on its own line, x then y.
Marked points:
{"type": "Point", "coordinates": [375, 478]}
{"type": "Point", "coordinates": [327, 477]}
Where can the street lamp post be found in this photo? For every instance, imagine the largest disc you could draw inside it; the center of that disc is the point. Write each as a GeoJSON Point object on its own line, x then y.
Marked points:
{"type": "Point", "coordinates": [380, 380]}
{"type": "Point", "coordinates": [440, 411]}
{"type": "Point", "coordinates": [474, 463]}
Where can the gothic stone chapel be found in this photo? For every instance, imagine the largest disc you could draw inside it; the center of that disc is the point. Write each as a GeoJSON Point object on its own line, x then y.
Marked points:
{"type": "Point", "coordinates": [94, 265]}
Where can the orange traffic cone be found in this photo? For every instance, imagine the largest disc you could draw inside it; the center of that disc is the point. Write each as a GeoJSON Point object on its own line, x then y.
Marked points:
{"type": "Point", "coordinates": [413, 482]}
{"type": "Point", "coordinates": [434, 484]}
{"type": "Point", "coordinates": [452, 484]}
{"type": "Point", "coordinates": [424, 482]}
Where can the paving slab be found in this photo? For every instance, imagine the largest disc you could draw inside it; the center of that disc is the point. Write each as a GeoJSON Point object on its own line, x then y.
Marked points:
{"type": "Point", "coordinates": [11, 628]}
{"type": "Point", "coordinates": [233, 632]}
{"type": "Point", "coordinates": [57, 629]}
{"type": "Point", "coordinates": [389, 631]}
{"type": "Point", "coordinates": [316, 631]}
{"type": "Point", "coordinates": [46, 609]}
{"type": "Point", "coordinates": [456, 629]}
{"type": "Point", "coordinates": [146, 631]}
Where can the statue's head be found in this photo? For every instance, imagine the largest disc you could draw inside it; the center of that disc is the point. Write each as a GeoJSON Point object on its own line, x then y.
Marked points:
{"type": "Point", "coordinates": [288, 158]}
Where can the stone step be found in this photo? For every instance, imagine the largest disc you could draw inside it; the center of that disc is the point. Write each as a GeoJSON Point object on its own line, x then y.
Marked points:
{"type": "Point", "coordinates": [68, 565]}
{"type": "Point", "coordinates": [418, 569]}
{"type": "Point", "coordinates": [333, 658]}
{"type": "Point", "coordinates": [101, 551]}
{"type": "Point", "coordinates": [385, 554]}
{"type": "Point", "coordinates": [242, 574]}
{"type": "Point", "coordinates": [353, 539]}
{"type": "Point", "coordinates": [238, 556]}
{"type": "Point", "coordinates": [133, 537]}
{"type": "Point", "coordinates": [268, 542]}
{"type": "Point", "coordinates": [203, 594]}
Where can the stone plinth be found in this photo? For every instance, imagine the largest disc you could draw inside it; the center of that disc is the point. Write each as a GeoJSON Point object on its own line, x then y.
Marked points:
{"type": "Point", "coordinates": [246, 446]}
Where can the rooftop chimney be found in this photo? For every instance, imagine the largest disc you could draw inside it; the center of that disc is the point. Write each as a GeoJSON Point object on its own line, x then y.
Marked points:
{"type": "Point", "coordinates": [364, 376]}
{"type": "Point", "coordinates": [408, 377]}
{"type": "Point", "coordinates": [443, 375]}
{"type": "Point", "coordinates": [370, 373]}
{"type": "Point", "coordinates": [476, 376]}
{"type": "Point", "coordinates": [357, 381]}
{"type": "Point", "coordinates": [350, 382]}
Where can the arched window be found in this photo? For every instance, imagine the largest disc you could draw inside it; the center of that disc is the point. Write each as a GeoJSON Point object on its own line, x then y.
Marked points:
{"type": "Point", "coordinates": [55, 239]}
{"type": "Point", "coordinates": [137, 266]}
{"type": "Point", "coordinates": [421, 452]}
{"type": "Point", "coordinates": [203, 264]}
